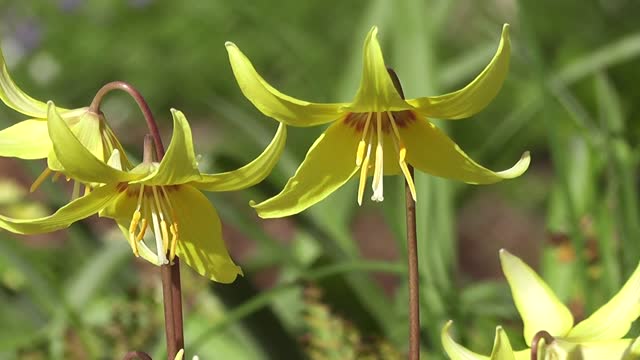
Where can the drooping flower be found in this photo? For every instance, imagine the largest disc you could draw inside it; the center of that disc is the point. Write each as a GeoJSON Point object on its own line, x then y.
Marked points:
{"type": "Point", "coordinates": [597, 337]}
{"type": "Point", "coordinates": [155, 203]}
{"type": "Point", "coordinates": [29, 139]}
{"type": "Point", "coordinates": [378, 133]}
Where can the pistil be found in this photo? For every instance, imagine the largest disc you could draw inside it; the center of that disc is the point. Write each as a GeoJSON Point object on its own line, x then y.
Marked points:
{"type": "Point", "coordinates": [378, 167]}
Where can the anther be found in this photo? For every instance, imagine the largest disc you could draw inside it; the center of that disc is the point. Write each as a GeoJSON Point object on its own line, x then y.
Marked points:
{"type": "Point", "coordinates": [360, 152]}
{"type": "Point", "coordinates": [364, 170]}
{"type": "Point", "coordinates": [41, 178]}
{"type": "Point", "coordinates": [165, 235]}
{"type": "Point", "coordinates": [174, 240]}
{"type": "Point", "coordinates": [402, 154]}
{"type": "Point", "coordinates": [139, 237]}
{"type": "Point", "coordinates": [135, 220]}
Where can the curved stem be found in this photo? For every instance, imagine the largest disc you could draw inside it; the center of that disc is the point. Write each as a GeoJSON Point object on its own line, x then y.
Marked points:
{"type": "Point", "coordinates": [171, 288]}
{"type": "Point", "coordinates": [540, 335]}
{"type": "Point", "coordinates": [412, 254]}
{"type": "Point", "coordinates": [142, 104]}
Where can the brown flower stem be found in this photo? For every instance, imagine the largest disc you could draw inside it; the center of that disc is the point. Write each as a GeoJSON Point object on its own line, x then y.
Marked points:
{"type": "Point", "coordinates": [414, 278]}
{"type": "Point", "coordinates": [540, 335]}
{"type": "Point", "coordinates": [412, 255]}
{"type": "Point", "coordinates": [142, 104]}
{"type": "Point", "coordinates": [170, 274]}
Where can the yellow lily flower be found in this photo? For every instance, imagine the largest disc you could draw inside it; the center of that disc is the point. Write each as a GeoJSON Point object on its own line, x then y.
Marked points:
{"type": "Point", "coordinates": [378, 133]}
{"type": "Point", "coordinates": [29, 139]}
{"type": "Point", "coordinates": [155, 203]}
{"type": "Point", "coordinates": [597, 337]}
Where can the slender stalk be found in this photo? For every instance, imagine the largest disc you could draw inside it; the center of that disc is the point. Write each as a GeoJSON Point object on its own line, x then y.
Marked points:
{"type": "Point", "coordinates": [414, 278]}
{"type": "Point", "coordinates": [535, 343]}
{"type": "Point", "coordinates": [170, 274]}
{"type": "Point", "coordinates": [142, 104]}
{"type": "Point", "coordinates": [412, 255]}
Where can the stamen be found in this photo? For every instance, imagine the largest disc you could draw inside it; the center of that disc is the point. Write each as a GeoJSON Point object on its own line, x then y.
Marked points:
{"type": "Point", "coordinates": [143, 230]}
{"type": "Point", "coordinates": [163, 223]}
{"type": "Point", "coordinates": [165, 235]}
{"type": "Point", "coordinates": [162, 257]}
{"type": "Point", "coordinates": [174, 240]}
{"type": "Point", "coordinates": [135, 220]}
{"type": "Point", "coordinates": [364, 170]}
{"type": "Point", "coordinates": [407, 173]}
{"type": "Point", "coordinates": [76, 190]}
{"type": "Point", "coordinates": [378, 169]}
{"type": "Point", "coordinates": [361, 144]}
{"type": "Point", "coordinates": [41, 178]}
{"type": "Point", "coordinates": [402, 153]}
{"type": "Point", "coordinates": [360, 152]}
{"type": "Point", "coordinates": [173, 228]}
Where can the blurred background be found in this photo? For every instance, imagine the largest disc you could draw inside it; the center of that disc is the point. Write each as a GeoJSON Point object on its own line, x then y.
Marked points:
{"type": "Point", "coordinates": [330, 283]}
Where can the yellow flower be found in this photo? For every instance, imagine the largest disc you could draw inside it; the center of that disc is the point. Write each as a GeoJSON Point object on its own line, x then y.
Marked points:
{"type": "Point", "coordinates": [29, 139]}
{"type": "Point", "coordinates": [600, 336]}
{"type": "Point", "coordinates": [158, 206]}
{"type": "Point", "coordinates": [378, 133]}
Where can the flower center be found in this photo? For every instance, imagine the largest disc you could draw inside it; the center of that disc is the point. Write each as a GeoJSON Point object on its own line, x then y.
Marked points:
{"type": "Point", "coordinates": [154, 212]}
{"type": "Point", "coordinates": [374, 126]}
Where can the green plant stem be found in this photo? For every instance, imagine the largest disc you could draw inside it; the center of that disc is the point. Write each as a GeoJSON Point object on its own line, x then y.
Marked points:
{"type": "Point", "coordinates": [170, 274]}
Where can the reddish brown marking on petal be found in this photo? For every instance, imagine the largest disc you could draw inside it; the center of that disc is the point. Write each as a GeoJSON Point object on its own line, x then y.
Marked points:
{"type": "Point", "coordinates": [122, 187]}
{"type": "Point", "coordinates": [358, 120]}
{"type": "Point", "coordinates": [404, 118]}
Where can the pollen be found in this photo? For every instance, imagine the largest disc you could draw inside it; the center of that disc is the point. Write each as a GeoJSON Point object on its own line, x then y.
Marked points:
{"type": "Point", "coordinates": [153, 212]}
{"type": "Point", "coordinates": [372, 135]}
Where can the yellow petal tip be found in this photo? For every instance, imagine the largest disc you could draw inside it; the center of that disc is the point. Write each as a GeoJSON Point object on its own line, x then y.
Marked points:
{"type": "Point", "coordinates": [253, 203]}
{"type": "Point", "coordinates": [505, 31]}
{"type": "Point", "coordinates": [518, 169]}
{"type": "Point", "coordinates": [229, 44]}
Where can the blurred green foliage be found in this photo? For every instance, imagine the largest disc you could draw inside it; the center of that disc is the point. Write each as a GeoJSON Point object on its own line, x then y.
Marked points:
{"type": "Point", "coordinates": [570, 98]}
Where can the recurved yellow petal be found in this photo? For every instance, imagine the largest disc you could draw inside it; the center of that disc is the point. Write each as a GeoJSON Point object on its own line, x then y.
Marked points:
{"type": "Point", "coordinates": [455, 350]}
{"type": "Point", "coordinates": [78, 162]}
{"type": "Point", "coordinates": [430, 150]}
{"type": "Point", "coordinates": [329, 163]}
{"type": "Point", "coordinates": [476, 95]}
{"type": "Point", "coordinates": [613, 320]}
{"type": "Point", "coordinates": [76, 210]}
{"type": "Point", "coordinates": [250, 174]}
{"type": "Point", "coordinates": [273, 103]}
{"type": "Point", "coordinates": [538, 306]}
{"type": "Point", "coordinates": [28, 139]}
{"type": "Point", "coordinates": [200, 243]}
{"type": "Point", "coordinates": [17, 99]}
{"type": "Point", "coordinates": [179, 165]}
{"type": "Point", "coordinates": [87, 128]}
{"type": "Point", "coordinates": [376, 92]}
